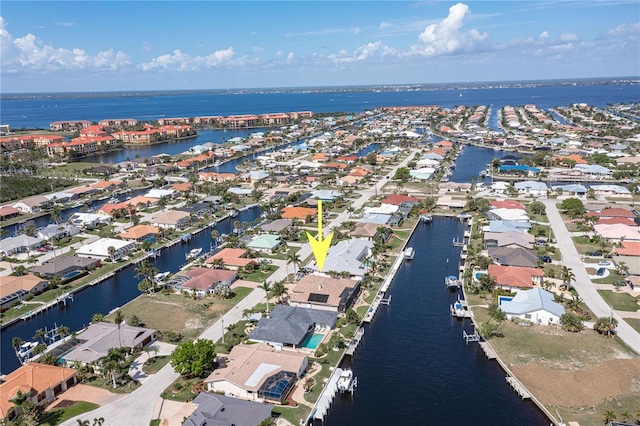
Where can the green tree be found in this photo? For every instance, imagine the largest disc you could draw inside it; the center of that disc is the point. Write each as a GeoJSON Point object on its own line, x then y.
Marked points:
{"type": "Point", "coordinates": [267, 288]}
{"type": "Point", "coordinates": [605, 325]}
{"type": "Point", "coordinates": [567, 276]}
{"type": "Point", "coordinates": [609, 416]}
{"type": "Point", "coordinates": [352, 317]}
{"type": "Point", "coordinates": [402, 174]}
{"type": "Point", "coordinates": [118, 319]}
{"type": "Point", "coordinates": [96, 318]}
{"type": "Point", "coordinates": [147, 271]}
{"type": "Point", "coordinates": [538, 207]}
{"type": "Point", "coordinates": [194, 359]}
{"type": "Point", "coordinates": [295, 259]}
{"type": "Point", "coordinates": [571, 322]}
{"type": "Point", "coordinates": [279, 289]}
{"type": "Point", "coordinates": [573, 207]}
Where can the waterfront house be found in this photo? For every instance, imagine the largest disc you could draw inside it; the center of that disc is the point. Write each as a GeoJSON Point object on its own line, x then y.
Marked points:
{"type": "Point", "coordinates": [514, 256]}
{"type": "Point", "coordinates": [257, 372]}
{"type": "Point", "coordinates": [32, 204]}
{"type": "Point", "coordinates": [97, 339]}
{"type": "Point", "coordinates": [41, 382]}
{"type": "Point", "coordinates": [612, 190]}
{"type": "Point", "coordinates": [510, 239]}
{"type": "Point", "coordinates": [288, 326]}
{"type": "Point", "coordinates": [214, 409]}
{"type": "Point", "coordinates": [201, 281]}
{"type": "Point", "coordinates": [18, 244]}
{"type": "Point", "coordinates": [509, 215]}
{"type": "Point", "coordinates": [100, 249]}
{"type": "Point", "coordinates": [506, 226]}
{"type": "Point", "coordinates": [348, 256]}
{"type": "Point", "coordinates": [88, 219]}
{"type": "Point", "coordinates": [400, 200]}
{"type": "Point", "coordinates": [320, 292]}
{"type": "Point", "coordinates": [171, 219]}
{"type": "Point", "coordinates": [160, 193]}
{"type": "Point", "coordinates": [574, 190]}
{"type": "Point", "coordinates": [515, 277]}
{"type": "Point", "coordinates": [531, 187]}
{"type": "Point", "coordinates": [506, 204]}
{"type": "Point", "coordinates": [535, 305]}
{"type": "Point", "coordinates": [265, 243]}
{"type": "Point", "coordinates": [140, 233]}
{"type": "Point", "coordinates": [198, 209]}
{"type": "Point", "coordinates": [592, 170]}
{"type": "Point", "coordinates": [232, 258]}
{"type": "Point", "coordinates": [8, 212]}
{"type": "Point", "coordinates": [14, 288]}
{"type": "Point", "coordinates": [65, 267]}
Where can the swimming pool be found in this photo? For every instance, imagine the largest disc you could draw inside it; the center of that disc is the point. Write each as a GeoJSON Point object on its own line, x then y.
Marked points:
{"type": "Point", "coordinates": [478, 274]}
{"type": "Point", "coordinates": [312, 341]}
{"type": "Point", "coordinates": [71, 275]}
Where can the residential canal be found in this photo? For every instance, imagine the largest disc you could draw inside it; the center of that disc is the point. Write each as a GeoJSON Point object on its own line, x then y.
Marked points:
{"type": "Point", "coordinates": [472, 160]}
{"type": "Point", "coordinates": [413, 367]}
{"type": "Point", "coordinates": [111, 293]}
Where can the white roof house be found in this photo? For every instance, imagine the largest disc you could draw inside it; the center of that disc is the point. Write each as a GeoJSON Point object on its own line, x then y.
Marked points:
{"type": "Point", "coordinates": [88, 219]}
{"type": "Point", "coordinates": [100, 249]}
{"type": "Point", "coordinates": [535, 305]}
{"type": "Point", "coordinates": [533, 187]}
{"type": "Point", "coordinates": [592, 169]}
{"type": "Point", "coordinates": [19, 243]}
{"type": "Point", "coordinates": [382, 209]}
{"type": "Point", "coordinates": [512, 215]}
{"type": "Point", "coordinates": [160, 193]}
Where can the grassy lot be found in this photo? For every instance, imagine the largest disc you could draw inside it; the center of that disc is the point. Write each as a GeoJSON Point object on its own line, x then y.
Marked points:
{"type": "Point", "coordinates": [181, 390]}
{"type": "Point", "coordinates": [620, 301]}
{"type": "Point", "coordinates": [292, 414]}
{"type": "Point", "coordinates": [634, 322]}
{"type": "Point", "coordinates": [125, 384]}
{"type": "Point", "coordinates": [583, 245]}
{"type": "Point", "coordinates": [179, 314]}
{"type": "Point", "coordinates": [610, 279]}
{"type": "Point", "coordinates": [59, 415]}
{"type": "Point", "coordinates": [260, 275]}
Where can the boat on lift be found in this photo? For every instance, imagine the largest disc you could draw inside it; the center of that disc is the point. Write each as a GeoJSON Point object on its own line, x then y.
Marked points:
{"type": "Point", "coordinates": [346, 381]}
{"type": "Point", "coordinates": [409, 253]}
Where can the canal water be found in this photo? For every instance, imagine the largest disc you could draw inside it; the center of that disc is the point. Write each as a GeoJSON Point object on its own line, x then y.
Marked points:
{"type": "Point", "coordinates": [111, 293]}
{"type": "Point", "coordinates": [472, 161]}
{"type": "Point", "coordinates": [413, 367]}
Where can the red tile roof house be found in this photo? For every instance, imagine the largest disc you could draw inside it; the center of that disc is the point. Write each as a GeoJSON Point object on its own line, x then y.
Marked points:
{"type": "Point", "coordinates": [397, 200]}
{"type": "Point", "coordinates": [515, 277]}
{"type": "Point", "coordinates": [41, 381]}
{"type": "Point", "coordinates": [231, 258]}
{"type": "Point", "coordinates": [507, 204]}
{"type": "Point", "coordinates": [201, 281]}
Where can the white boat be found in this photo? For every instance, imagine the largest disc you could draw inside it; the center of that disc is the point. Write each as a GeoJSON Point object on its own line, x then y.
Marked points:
{"type": "Point", "coordinates": [194, 253]}
{"type": "Point", "coordinates": [113, 200]}
{"type": "Point", "coordinates": [452, 282]}
{"type": "Point", "coordinates": [409, 253]}
{"type": "Point", "coordinates": [345, 381]}
{"type": "Point", "coordinates": [161, 276]}
{"type": "Point", "coordinates": [426, 218]}
{"type": "Point", "coordinates": [458, 309]}
{"type": "Point", "coordinates": [233, 213]}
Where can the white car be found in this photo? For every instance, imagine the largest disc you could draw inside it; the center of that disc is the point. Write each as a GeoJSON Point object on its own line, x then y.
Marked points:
{"type": "Point", "coordinates": [605, 264]}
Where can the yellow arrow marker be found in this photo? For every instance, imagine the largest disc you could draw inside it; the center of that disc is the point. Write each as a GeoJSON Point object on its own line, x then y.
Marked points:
{"type": "Point", "coordinates": [319, 246]}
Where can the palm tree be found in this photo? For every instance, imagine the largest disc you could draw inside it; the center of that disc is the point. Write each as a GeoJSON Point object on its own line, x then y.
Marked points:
{"type": "Point", "coordinates": [609, 415]}
{"type": "Point", "coordinates": [215, 235]}
{"type": "Point", "coordinates": [118, 319]}
{"type": "Point", "coordinates": [112, 251]}
{"type": "Point", "coordinates": [39, 334]}
{"type": "Point", "coordinates": [56, 214]}
{"type": "Point", "coordinates": [96, 318]}
{"type": "Point", "coordinates": [267, 288]}
{"type": "Point", "coordinates": [295, 259]}
{"type": "Point", "coordinates": [279, 290]}
{"type": "Point", "coordinates": [567, 276]}
{"type": "Point", "coordinates": [146, 270]}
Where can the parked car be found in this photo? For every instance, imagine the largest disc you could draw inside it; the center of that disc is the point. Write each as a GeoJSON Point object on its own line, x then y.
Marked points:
{"type": "Point", "coordinates": [600, 272]}
{"type": "Point", "coordinates": [540, 243]}
{"type": "Point", "coordinates": [545, 259]}
{"type": "Point", "coordinates": [605, 263]}
{"type": "Point", "coordinates": [608, 256]}
{"type": "Point", "coordinates": [594, 253]}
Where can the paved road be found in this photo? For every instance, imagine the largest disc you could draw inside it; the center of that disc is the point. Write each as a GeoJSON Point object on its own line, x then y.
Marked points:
{"type": "Point", "coordinates": [137, 408]}
{"type": "Point", "coordinates": [583, 285]}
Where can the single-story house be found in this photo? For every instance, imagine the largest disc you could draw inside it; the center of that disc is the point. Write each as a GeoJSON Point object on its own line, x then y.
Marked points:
{"type": "Point", "coordinates": [140, 233]}
{"type": "Point", "coordinates": [171, 219]}
{"type": "Point", "coordinates": [232, 258]}
{"type": "Point", "coordinates": [257, 372]}
{"type": "Point", "coordinates": [198, 209]}
{"type": "Point", "coordinates": [100, 249]}
{"type": "Point", "coordinates": [14, 288]}
{"type": "Point", "coordinates": [514, 256]}
{"type": "Point", "coordinates": [88, 219]}
{"type": "Point", "coordinates": [510, 239]}
{"type": "Point", "coordinates": [531, 187]}
{"type": "Point", "coordinates": [276, 226]}
{"type": "Point", "coordinates": [32, 204]}
{"type": "Point", "coordinates": [19, 244]}
{"type": "Point", "coordinates": [514, 277]}
{"type": "Point", "coordinates": [98, 338]}
{"type": "Point", "coordinates": [346, 256]}
{"type": "Point", "coordinates": [65, 266]}
{"type": "Point", "coordinates": [42, 382]}
{"type": "Point", "coordinates": [300, 213]}
{"type": "Point", "coordinates": [8, 212]}
{"type": "Point", "coordinates": [510, 215]}
{"type": "Point", "coordinates": [214, 409]}
{"type": "Point", "coordinates": [265, 243]}
{"type": "Point", "coordinates": [319, 292]}
{"type": "Point", "coordinates": [201, 281]}
{"type": "Point", "coordinates": [289, 325]}
{"type": "Point", "coordinates": [617, 232]}
{"type": "Point", "coordinates": [535, 305]}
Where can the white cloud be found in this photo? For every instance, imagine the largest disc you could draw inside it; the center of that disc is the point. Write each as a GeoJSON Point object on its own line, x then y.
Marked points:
{"type": "Point", "coordinates": [447, 37]}
{"type": "Point", "coordinates": [366, 52]}
{"type": "Point", "coordinates": [625, 29]}
{"type": "Point", "coordinates": [384, 25]}
{"type": "Point", "coordinates": [179, 61]}
{"type": "Point", "coordinates": [544, 34]}
{"type": "Point", "coordinates": [290, 57]}
{"type": "Point", "coordinates": [279, 53]}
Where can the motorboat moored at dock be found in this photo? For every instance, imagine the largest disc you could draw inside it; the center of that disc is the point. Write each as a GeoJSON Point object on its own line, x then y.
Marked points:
{"type": "Point", "coordinates": [346, 382]}
{"type": "Point", "coordinates": [409, 253]}
{"type": "Point", "coordinates": [452, 282]}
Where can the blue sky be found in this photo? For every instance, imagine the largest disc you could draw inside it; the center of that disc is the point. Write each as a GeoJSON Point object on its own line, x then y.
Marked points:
{"type": "Point", "coordinates": [149, 45]}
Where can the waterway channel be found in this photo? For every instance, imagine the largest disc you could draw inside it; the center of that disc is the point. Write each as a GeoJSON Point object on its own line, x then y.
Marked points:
{"type": "Point", "coordinates": [111, 293]}
{"type": "Point", "coordinates": [413, 367]}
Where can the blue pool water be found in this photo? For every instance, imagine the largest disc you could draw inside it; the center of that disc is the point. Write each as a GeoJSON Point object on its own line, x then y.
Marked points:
{"type": "Point", "coordinates": [312, 341]}
{"type": "Point", "coordinates": [478, 274]}
{"type": "Point", "coordinates": [71, 275]}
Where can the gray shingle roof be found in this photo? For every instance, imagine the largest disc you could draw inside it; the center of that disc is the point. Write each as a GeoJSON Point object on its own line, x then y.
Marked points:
{"type": "Point", "coordinates": [289, 325]}
{"type": "Point", "coordinates": [220, 410]}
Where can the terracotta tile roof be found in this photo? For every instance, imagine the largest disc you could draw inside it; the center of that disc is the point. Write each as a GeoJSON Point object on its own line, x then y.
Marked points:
{"type": "Point", "coordinates": [397, 199]}
{"type": "Point", "coordinates": [298, 212]}
{"type": "Point", "coordinates": [507, 204]}
{"type": "Point", "coordinates": [629, 248]}
{"type": "Point", "coordinates": [139, 231]}
{"type": "Point", "coordinates": [34, 377]}
{"type": "Point", "coordinates": [514, 276]}
{"type": "Point", "coordinates": [105, 183]}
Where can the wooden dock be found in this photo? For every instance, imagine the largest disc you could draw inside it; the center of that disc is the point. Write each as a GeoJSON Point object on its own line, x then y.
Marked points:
{"type": "Point", "coordinates": [353, 344]}
{"type": "Point", "coordinates": [518, 387]}
{"type": "Point", "coordinates": [326, 397]}
{"type": "Point", "coordinates": [488, 350]}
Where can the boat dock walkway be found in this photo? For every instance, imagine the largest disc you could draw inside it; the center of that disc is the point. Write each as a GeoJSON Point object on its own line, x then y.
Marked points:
{"type": "Point", "coordinates": [488, 350]}
{"type": "Point", "coordinates": [326, 397]}
{"type": "Point", "coordinates": [62, 298]}
{"type": "Point", "coordinates": [353, 344]}
{"type": "Point", "coordinates": [518, 387]}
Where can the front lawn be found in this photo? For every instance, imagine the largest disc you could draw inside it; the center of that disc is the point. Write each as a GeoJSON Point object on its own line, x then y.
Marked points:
{"type": "Point", "coordinates": [154, 364]}
{"type": "Point", "coordinates": [59, 415]}
{"type": "Point", "coordinates": [620, 301]}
